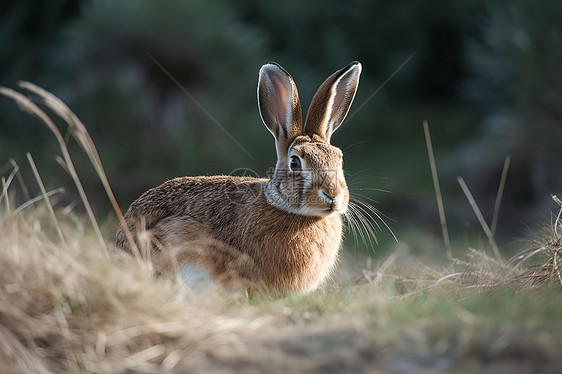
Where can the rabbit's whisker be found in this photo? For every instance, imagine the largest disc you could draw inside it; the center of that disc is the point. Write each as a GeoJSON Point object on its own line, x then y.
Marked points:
{"type": "Point", "coordinates": [372, 189]}
{"type": "Point", "coordinates": [378, 214]}
{"type": "Point", "coordinates": [355, 224]}
{"type": "Point", "coordinates": [363, 225]}
{"type": "Point", "coordinates": [352, 224]}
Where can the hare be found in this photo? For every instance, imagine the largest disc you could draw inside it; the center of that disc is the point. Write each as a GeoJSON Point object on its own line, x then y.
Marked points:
{"type": "Point", "coordinates": [254, 234]}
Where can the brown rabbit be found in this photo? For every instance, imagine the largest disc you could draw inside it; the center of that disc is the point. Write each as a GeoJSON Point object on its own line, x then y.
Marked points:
{"type": "Point", "coordinates": [281, 233]}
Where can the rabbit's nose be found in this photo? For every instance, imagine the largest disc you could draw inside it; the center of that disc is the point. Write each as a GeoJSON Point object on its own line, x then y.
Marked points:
{"type": "Point", "coordinates": [328, 198]}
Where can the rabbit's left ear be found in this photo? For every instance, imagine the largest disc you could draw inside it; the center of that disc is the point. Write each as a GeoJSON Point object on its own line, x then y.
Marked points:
{"type": "Point", "coordinates": [279, 106]}
{"type": "Point", "coordinates": [332, 101]}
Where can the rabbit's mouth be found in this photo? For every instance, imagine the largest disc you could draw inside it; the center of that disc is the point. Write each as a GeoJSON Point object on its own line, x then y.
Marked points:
{"type": "Point", "coordinates": [326, 210]}
{"type": "Point", "coordinates": [332, 203]}
{"type": "Point", "coordinates": [320, 211]}
{"type": "Point", "coordinates": [330, 211]}
{"type": "Point", "coordinates": [335, 209]}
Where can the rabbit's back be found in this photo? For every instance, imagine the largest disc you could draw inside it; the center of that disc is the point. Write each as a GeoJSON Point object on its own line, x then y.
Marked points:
{"type": "Point", "coordinates": [200, 198]}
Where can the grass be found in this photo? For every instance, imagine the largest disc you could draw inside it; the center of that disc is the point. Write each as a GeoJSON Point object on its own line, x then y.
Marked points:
{"type": "Point", "coordinates": [72, 303]}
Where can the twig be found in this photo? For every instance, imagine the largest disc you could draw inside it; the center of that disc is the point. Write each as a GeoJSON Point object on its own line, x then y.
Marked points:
{"type": "Point", "coordinates": [499, 195]}
{"type": "Point", "coordinates": [481, 219]}
{"type": "Point", "coordinates": [438, 195]}
{"type": "Point", "coordinates": [45, 197]}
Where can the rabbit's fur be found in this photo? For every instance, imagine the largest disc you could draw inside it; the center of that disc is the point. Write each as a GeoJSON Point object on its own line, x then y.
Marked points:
{"type": "Point", "coordinates": [281, 233]}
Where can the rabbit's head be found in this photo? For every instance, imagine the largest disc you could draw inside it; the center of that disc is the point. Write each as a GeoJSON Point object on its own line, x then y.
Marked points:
{"type": "Point", "coordinates": [308, 178]}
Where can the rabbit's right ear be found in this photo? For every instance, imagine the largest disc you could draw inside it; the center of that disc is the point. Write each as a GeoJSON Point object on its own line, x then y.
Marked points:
{"type": "Point", "coordinates": [332, 101]}
{"type": "Point", "coordinates": [279, 105]}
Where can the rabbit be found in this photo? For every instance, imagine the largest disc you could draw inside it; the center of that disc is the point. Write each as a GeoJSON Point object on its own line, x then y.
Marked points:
{"type": "Point", "coordinates": [252, 234]}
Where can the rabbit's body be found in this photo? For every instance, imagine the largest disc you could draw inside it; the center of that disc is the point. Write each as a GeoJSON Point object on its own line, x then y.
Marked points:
{"type": "Point", "coordinates": [250, 248]}
{"type": "Point", "coordinates": [281, 233]}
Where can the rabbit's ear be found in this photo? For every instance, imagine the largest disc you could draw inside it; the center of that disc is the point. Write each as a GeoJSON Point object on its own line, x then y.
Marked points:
{"type": "Point", "coordinates": [278, 102]}
{"type": "Point", "coordinates": [332, 101]}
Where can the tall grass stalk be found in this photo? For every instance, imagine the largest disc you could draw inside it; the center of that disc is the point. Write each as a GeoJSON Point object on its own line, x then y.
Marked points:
{"type": "Point", "coordinates": [5, 193]}
{"type": "Point", "coordinates": [499, 195]}
{"type": "Point", "coordinates": [5, 185]}
{"type": "Point", "coordinates": [46, 197]}
{"type": "Point", "coordinates": [438, 195]}
{"type": "Point", "coordinates": [23, 186]}
{"type": "Point", "coordinates": [480, 218]}
{"type": "Point", "coordinates": [30, 107]}
{"type": "Point", "coordinates": [30, 202]}
{"type": "Point", "coordinates": [80, 133]}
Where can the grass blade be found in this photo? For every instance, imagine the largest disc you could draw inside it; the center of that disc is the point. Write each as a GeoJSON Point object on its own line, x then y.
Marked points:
{"type": "Point", "coordinates": [499, 195]}
{"type": "Point", "coordinates": [438, 195]}
{"type": "Point", "coordinates": [6, 184]}
{"type": "Point", "coordinates": [45, 197]}
{"type": "Point", "coordinates": [30, 107]}
{"type": "Point", "coordinates": [80, 133]}
{"type": "Point", "coordinates": [481, 219]}
{"type": "Point", "coordinates": [36, 199]}
{"type": "Point", "coordinates": [5, 194]}
{"type": "Point", "coordinates": [23, 186]}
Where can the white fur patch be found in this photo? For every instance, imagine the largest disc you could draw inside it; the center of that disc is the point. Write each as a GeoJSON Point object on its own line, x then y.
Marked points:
{"type": "Point", "coordinates": [196, 278]}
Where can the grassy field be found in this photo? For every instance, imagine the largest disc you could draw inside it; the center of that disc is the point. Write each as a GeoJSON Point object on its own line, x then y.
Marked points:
{"type": "Point", "coordinates": [69, 302]}
{"type": "Point", "coordinates": [72, 308]}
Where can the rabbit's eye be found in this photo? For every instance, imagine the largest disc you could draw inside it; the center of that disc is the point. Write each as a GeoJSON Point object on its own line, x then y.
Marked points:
{"type": "Point", "coordinates": [295, 163]}
{"type": "Point", "coordinates": [342, 163]}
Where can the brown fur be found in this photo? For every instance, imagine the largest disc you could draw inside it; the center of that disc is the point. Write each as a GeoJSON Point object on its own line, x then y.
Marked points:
{"type": "Point", "coordinates": [254, 241]}
{"type": "Point", "coordinates": [248, 233]}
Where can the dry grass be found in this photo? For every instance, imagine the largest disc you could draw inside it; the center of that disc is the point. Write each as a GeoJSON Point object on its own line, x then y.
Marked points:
{"type": "Point", "coordinates": [543, 258]}
{"type": "Point", "coordinates": [69, 308]}
{"type": "Point", "coordinates": [71, 303]}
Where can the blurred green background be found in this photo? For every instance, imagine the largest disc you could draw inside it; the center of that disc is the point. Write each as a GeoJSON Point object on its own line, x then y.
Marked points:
{"type": "Point", "coordinates": [485, 74]}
